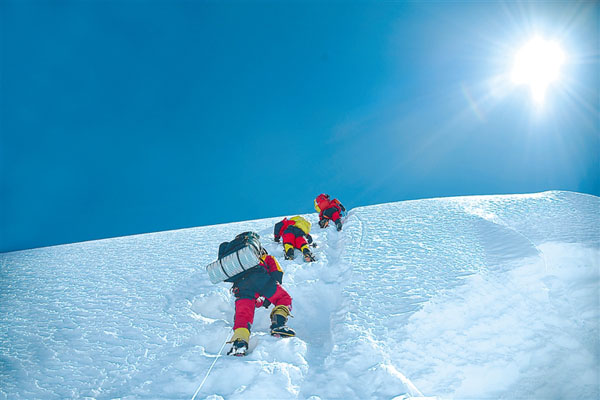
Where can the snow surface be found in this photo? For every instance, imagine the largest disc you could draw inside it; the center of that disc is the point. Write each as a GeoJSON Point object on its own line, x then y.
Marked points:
{"type": "Point", "coordinates": [491, 297]}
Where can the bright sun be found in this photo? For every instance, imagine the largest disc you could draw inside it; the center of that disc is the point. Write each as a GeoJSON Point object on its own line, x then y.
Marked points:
{"type": "Point", "coordinates": [537, 64]}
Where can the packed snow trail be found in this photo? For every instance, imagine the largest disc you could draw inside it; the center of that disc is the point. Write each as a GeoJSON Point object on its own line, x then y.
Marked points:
{"type": "Point", "coordinates": [467, 297]}
{"type": "Point", "coordinates": [316, 288]}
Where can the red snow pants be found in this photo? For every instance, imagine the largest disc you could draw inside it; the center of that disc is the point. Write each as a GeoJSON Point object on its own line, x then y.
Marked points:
{"type": "Point", "coordinates": [293, 240]}
{"type": "Point", "coordinates": [249, 289]}
{"type": "Point", "coordinates": [294, 237]}
{"type": "Point", "coordinates": [332, 213]}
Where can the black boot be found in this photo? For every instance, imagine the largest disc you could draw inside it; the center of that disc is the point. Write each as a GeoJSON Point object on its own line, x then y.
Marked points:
{"type": "Point", "coordinates": [240, 339]}
{"type": "Point", "coordinates": [278, 321]}
{"type": "Point", "coordinates": [338, 225]}
{"type": "Point", "coordinates": [323, 223]}
{"type": "Point", "coordinates": [289, 254]}
{"type": "Point", "coordinates": [308, 256]}
{"type": "Point", "coordinates": [239, 348]}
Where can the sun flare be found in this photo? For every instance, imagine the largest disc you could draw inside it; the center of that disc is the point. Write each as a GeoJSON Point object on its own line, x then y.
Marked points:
{"type": "Point", "coordinates": [537, 64]}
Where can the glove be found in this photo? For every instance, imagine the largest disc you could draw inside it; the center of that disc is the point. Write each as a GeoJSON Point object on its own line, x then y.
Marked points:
{"type": "Point", "coordinates": [342, 207]}
{"type": "Point", "coordinates": [277, 239]}
{"type": "Point", "coordinates": [261, 302]}
{"type": "Point", "coordinates": [309, 239]}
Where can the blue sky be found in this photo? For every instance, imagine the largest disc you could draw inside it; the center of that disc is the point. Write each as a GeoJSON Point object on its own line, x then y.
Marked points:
{"type": "Point", "coordinates": [124, 117]}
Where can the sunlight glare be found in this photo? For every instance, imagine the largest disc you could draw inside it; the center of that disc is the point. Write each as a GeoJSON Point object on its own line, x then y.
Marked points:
{"type": "Point", "coordinates": [537, 64]}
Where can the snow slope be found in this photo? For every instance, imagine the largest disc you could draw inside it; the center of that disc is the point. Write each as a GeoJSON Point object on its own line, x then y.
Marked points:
{"type": "Point", "coordinates": [468, 297]}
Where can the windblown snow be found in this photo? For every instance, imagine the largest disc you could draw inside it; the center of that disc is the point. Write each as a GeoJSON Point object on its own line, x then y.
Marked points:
{"type": "Point", "coordinates": [491, 297]}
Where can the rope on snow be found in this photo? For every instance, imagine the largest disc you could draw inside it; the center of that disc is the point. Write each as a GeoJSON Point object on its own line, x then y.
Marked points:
{"type": "Point", "coordinates": [210, 369]}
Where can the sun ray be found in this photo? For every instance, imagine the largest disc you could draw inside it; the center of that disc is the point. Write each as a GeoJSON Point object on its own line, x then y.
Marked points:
{"type": "Point", "coordinates": [537, 64]}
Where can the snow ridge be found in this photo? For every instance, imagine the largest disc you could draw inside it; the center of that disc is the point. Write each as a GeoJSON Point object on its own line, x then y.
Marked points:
{"type": "Point", "coordinates": [488, 297]}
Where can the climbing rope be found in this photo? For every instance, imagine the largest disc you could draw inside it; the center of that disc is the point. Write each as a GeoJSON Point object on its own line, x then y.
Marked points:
{"type": "Point", "coordinates": [210, 369]}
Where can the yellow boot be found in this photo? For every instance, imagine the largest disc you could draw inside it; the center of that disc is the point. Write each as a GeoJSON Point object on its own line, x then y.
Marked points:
{"type": "Point", "coordinates": [289, 251]}
{"type": "Point", "coordinates": [306, 253]}
{"type": "Point", "coordinates": [240, 339]}
{"type": "Point", "coordinates": [279, 317]}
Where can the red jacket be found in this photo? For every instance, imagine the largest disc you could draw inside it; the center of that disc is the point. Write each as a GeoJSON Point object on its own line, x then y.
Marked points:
{"type": "Point", "coordinates": [272, 266]}
{"type": "Point", "coordinates": [324, 203]}
{"type": "Point", "coordinates": [282, 226]}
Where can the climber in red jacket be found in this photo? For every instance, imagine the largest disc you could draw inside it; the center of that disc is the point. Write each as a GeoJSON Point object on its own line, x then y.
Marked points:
{"type": "Point", "coordinates": [329, 210]}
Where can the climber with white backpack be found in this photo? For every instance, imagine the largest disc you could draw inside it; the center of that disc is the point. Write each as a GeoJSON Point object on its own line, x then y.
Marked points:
{"type": "Point", "coordinates": [256, 278]}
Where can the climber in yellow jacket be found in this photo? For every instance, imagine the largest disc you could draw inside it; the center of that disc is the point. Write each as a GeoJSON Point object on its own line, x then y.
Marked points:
{"type": "Point", "coordinates": [295, 233]}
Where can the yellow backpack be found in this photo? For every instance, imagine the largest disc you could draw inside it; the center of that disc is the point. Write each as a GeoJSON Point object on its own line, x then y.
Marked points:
{"type": "Point", "coordinates": [301, 223]}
